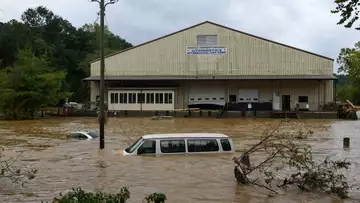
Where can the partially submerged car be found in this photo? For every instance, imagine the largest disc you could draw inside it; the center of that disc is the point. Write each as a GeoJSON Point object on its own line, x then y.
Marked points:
{"type": "Point", "coordinates": [181, 143]}
{"type": "Point", "coordinates": [84, 135]}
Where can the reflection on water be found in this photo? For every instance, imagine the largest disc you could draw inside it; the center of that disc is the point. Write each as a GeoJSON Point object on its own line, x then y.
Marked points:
{"type": "Point", "coordinates": [191, 178]}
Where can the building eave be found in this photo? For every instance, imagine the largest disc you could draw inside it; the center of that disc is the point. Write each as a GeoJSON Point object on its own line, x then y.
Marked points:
{"type": "Point", "coordinates": [239, 77]}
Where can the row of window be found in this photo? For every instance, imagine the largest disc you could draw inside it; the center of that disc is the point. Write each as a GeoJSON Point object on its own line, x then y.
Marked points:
{"type": "Point", "coordinates": [178, 146]}
{"type": "Point", "coordinates": [141, 98]}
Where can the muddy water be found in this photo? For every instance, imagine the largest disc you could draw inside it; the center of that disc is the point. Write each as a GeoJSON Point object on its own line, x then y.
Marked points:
{"type": "Point", "coordinates": [64, 163]}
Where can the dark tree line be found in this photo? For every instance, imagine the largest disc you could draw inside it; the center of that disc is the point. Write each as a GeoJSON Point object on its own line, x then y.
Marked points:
{"type": "Point", "coordinates": [43, 43]}
{"type": "Point", "coordinates": [67, 48]}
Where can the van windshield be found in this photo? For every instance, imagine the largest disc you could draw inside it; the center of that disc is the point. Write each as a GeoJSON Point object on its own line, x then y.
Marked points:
{"type": "Point", "coordinates": [134, 146]}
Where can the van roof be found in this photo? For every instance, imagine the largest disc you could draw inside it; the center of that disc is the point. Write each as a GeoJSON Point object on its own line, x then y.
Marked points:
{"type": "Point", "coordinates": [184, 135]}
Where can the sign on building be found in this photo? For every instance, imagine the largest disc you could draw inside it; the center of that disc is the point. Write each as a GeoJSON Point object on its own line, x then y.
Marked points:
{"type": "Point", "coordinates": [216, 50]}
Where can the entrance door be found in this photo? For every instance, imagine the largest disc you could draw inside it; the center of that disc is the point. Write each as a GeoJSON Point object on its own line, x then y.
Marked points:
{"type": "Point", "coordinates": [232, 98]}
{"type": "Point", "coordinates": [285, 102]}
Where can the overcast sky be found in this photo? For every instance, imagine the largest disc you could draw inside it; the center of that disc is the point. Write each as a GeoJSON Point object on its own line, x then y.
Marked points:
{"type": "Point", "coordinates": [306, 24]}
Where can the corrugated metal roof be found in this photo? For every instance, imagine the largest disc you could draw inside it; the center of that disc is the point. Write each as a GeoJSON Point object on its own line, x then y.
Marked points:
{"type": "Point", "coordinates": [240, 77]}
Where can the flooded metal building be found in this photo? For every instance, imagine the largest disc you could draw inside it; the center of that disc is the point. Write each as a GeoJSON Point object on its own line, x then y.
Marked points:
{"type": "Point", "coordinates": [210, 64]}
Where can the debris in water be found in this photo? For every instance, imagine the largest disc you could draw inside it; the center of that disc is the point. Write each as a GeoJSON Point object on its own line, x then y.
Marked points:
{"type": "Point", "coordinates": [162, 118]}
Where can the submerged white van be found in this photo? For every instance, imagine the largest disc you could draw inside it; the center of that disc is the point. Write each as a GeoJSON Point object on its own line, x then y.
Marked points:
{"type": "Point", "coordinates": [181, 143]}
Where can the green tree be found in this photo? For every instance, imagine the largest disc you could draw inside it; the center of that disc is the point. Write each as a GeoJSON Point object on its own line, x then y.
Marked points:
{"type": "Point", "coordinates": [67, 48]}
{"type": "Point", "coordinates": [349, 12]}
{"type": "Point", "coordinates": [349, 61]}
{"type": "Point", "coordinates": [13, 35]}
{"type": "Point", "coordinates": [29, 85]}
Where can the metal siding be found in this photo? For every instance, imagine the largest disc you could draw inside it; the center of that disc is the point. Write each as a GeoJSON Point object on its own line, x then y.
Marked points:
{"type": "Point", "coordinates": [179, 98]}
{"type": "Point", "coordinates": [246, 56]}
{"type": "Point", "coordinates": [313, 89]}
{"type": "Point", "coordinates": [95, 91]}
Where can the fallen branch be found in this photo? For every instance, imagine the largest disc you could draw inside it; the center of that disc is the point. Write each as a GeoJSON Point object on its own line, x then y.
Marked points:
{"type": "Point", "coordinates": [9, 171]}
{"type": "Point", "coordinates": [285, 150]}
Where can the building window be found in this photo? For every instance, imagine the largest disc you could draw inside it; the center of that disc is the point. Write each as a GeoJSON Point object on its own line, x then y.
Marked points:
{"type": "Point", "coordinates": [304, 99]}
{"type": "Point", "coordinates": [199, 99]}
{"type": "Point", "coordinates": [132, 98]}
{"type": "Point", "coordinates": [141, 98]}
{"type": "Point", "coordinates": [168, 98]}
{"type": "Point", "coordinates": [206, 98]}
{"type": "Point", "coordinates": [172, 146]}
{"type": "Point", "coordinates": [214, 98]}
{"type": "Point", "coordinates": [149, 98]}
{"type": "Point", "coordinates": [206, 40]}
{"type": "Point", "coordinates": [159, 98]}
{"type": "Point", "coordinates": [114, 98]}
{"type": "Point", "coordinates": [123, 98]}
{"type": "Point", "coordinates": [202, 145]}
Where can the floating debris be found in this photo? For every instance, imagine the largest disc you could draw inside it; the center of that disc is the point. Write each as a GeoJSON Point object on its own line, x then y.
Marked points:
{"type": "Point", "coordinates": [347, 111]}
{"type": "Point", "coordinates": [162, 118]}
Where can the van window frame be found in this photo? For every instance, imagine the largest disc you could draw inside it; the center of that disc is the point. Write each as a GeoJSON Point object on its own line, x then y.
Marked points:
{"type": "Point", "coordinates": [142, 144]}
{"type": "Point", "coordinates": [135, 145]}
{"type": "Point", "coordinates": [228, 142]}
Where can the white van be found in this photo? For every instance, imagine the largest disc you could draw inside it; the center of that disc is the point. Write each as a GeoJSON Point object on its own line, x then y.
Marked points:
{"type": "Point", "coordinates": [181, 143]}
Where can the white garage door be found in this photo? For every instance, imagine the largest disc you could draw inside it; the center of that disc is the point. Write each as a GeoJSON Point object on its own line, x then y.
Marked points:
{"type": "Point", "coordinates": [248, 95]}
{"type": "Point", "coordinates": [207, 94]}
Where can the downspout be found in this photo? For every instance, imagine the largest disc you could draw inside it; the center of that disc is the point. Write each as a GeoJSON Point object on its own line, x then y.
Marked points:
{"type": "Point", "coordinates": [334, 90]}
{"type": "Point", "coordinates": [324, 93]}
{"type": "Point", "coordinates": [319, 88]}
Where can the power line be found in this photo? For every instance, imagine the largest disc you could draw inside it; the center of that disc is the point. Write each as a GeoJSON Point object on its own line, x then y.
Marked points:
{"type": "Point", "coordinates": [97, 17]}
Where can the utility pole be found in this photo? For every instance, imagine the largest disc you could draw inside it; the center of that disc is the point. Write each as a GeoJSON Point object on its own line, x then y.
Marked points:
{"type": "Point", "coordinates": [102, 5]}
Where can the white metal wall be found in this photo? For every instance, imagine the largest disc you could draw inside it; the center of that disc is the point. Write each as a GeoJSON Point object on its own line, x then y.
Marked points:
{"type": "Point", "coordinates": [246, 55]}
{"type": "Point", "coordinates": [318, 92]}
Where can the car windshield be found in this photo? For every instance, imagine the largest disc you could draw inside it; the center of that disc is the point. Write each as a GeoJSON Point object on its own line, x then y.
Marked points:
{"type": "Point", "coordinates": [93, 134]}
{"type": "Point", "coordinates": [134, 146]}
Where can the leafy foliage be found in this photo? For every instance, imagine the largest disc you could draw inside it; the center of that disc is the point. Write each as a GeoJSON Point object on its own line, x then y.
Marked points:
{"type": "Point", "coordinates": [284, 152]}
{"type": "Point", "coordinates": [29, 85]}
{"type": "Point", "coordinates": [349, 61]}
{"type": "Point", "coordinates": [17, 174]}
{"type": "Point", "coordinates": [64, 47]}
{"type": "Point", "coordinates": [78, 196]}
{"type": "Point", "coordinates": [156, 198]}
{"type": "Point", "coordinates": [349, 12]}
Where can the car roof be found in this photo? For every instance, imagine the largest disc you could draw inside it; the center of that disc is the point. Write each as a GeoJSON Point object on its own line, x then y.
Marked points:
{"type": "Point", "coordinates": [185, 135]}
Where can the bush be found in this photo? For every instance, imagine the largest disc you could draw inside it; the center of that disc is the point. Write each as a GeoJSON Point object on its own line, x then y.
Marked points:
{"type": "Point", "coordinates": [80, 196]}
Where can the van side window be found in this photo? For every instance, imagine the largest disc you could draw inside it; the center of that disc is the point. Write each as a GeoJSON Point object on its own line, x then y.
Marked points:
{"type": "Point", "coordinates": [225, 144]}
{"type": "Point", "coordinates": [172, 146]}
{"type": "Point", "coordinates": [148, 147]}
{"type": "Point", "coordinates": [79, 136]}
{"type": "Point", "coordinates": [208, 145]}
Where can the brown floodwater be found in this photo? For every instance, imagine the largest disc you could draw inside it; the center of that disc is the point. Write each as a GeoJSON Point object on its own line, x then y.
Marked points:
{"type": "Point", "coordinates": [65, 163]}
